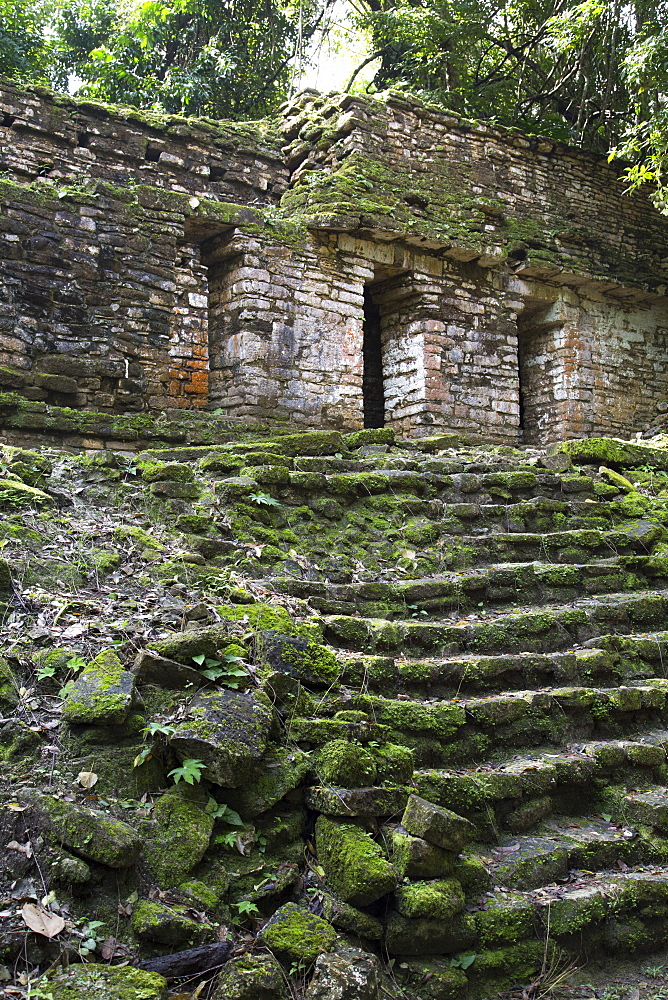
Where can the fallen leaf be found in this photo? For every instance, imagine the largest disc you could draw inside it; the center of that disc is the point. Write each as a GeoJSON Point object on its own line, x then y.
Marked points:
{"type": "Point", "coordinates": [39, 920]}
{"type": "Point", "coordinates": [87, 779]}
{"type": "Point", "coordinates": [16, 807]}
{"type": "Point", "coordinates": [26, 848]}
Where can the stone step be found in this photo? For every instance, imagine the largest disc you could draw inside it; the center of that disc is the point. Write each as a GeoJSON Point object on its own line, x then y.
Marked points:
{"type": "Point", "coordinates": [607, 913]}
{"type": "Point", "coordinates": [646, 804]}
{"type": "Point", "coordinates": [477, 728]}
{"type": "Point", "coordinates": [459, 676]}
{"type": "Point", "coordinates": [565, 843]}
{"type": "Point", "coordinates": [496, 586]}
{"type": "Point", "coordinates": [516, 793]}
{"type": "Point", "coordinates": [527, 629]}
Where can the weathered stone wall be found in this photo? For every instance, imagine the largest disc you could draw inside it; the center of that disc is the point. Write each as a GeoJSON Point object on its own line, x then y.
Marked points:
{"type": "Point", "coordinates": [153, 263]}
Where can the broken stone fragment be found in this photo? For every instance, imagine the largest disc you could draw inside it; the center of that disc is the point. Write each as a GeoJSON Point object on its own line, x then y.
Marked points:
{"type": "Point", "coordinates": [151, 668]}
{"type": "Point", "coordinates": [439, 826]}
{"type": "Point", "coordinates": [102, 694]}
{"type": "Point", "coordinates": [357, 801]}
{"type": "Point", "coordinates": [105, 982]}
{"type": "Point", "coordinates": [296, 935]}
{"type": "Point", "coordinates": [228, 732]}
{"type": "Point", "coordinates": [404, 936]}
{"type": "Point", "coordinates": [251, 977]}
{"type": "Point", "coordinates": [354, 864]}
{"type": "Point", "coordinates": [348, 974]}
{"type": "Point", "coordinates": [89, 833]}
{"type": "Point", "coordinates": [179, 838]}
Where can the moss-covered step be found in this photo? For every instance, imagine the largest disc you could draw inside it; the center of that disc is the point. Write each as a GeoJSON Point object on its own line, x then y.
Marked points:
{"type": "Point", "coordinates": [519, 792]}
{"type": "Point", "coordinates": [457, 676]}
{"type": "Point", "coordinates": [527, 629]}
{"type": "Point", "coordinates": [528, 861]}
{"type": "Point", "coordinates": [495, 586]}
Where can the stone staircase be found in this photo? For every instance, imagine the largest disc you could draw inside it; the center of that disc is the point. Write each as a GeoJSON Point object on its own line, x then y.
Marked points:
{"type": "Point", "coordinates": [459, 657]}
{"type": "Point", "coordinates": [517, 647]}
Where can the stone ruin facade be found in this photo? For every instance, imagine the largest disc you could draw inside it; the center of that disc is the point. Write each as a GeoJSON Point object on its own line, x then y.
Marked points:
{"type": "Point", "coordinates": [355, 262]}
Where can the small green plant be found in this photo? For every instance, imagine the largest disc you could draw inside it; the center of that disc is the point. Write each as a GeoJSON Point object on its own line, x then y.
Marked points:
{"type": "Point", "coordinates": [227, 670]}
{"type": "Point", "coordinates": [264, 500]}
{"type": "Point", "coordinates": [44, 672]}
{"type": "Point", "coordinates": [245, 909]}
{"type": "Point", "coordinates": [190, 771]}
{"type": "Point", "coordinates": [92, 936]}
{"type": "Point", "coordinates": [463, 961]}
{"type": "Point", "coordinates": [76, 663]}
{"type": "Point", "coordinates": [654, 971]}
{"type": "Point", "coordinates": [223, 813]}
{"type": "Point", "coordinates": [39, 993]}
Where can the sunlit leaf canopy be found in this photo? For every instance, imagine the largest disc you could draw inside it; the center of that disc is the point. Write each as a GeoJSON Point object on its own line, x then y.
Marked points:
{"type": "Point", "coordinates": [593, 73]}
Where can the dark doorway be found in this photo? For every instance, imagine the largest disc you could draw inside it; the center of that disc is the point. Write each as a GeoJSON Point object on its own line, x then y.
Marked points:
{"type": "Point", "coordinates": [538, 360]}
{"type": "Point", "coordinates": [372, 355]}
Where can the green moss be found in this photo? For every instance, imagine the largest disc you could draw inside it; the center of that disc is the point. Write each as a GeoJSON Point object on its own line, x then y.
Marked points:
{"type": "Point", "coordinates": [437, 900]}
{"type": "Point", "coordinates": [102, 693]}
{"type": "Point", "coordinates": [104, 982]}
{"type": "Point", "coordinates": [166, 925]}
{"type": "Point", "coordinates": [345, 765]}
{"type": "Point", "coordinates": [296, 935]}
{"type": "Point", "coordinates": [505, 920]}
{"type": "Point", "coordinates": [179, 839]}
{"type": "Point", "coordinates": [354, 864]}
{"type": "Point", "coordinates": [394, 763]}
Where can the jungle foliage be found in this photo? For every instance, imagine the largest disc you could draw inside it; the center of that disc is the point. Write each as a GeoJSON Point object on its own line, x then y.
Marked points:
{"type": "Point", "coordinates": [592, 73]}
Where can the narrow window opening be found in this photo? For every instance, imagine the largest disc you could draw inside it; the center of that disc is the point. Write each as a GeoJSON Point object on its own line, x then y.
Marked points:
{"type": "Point", "coordinates": [372, 353]}
{"type": "Point", "coordinates": [217, 173]}
{"type": "Point", "coordinates": [152, 154]}
{"type": "Point", "coordinates": [6, 119]}
{"type": "Point", "coordinates": [83, 139]}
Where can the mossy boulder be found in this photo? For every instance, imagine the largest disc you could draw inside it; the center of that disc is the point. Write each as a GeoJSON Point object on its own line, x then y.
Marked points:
{"type": "Point", "coordinates": [89, 833]}
{"type": "Point", "coordinates": [296, 935]}
{"type": "Point", "coordinates": [105, 982]}
{"type": "Point", "coordinates": [441, 899]}
{"type": "Point", "coordinates": [439, 826]}
{"type": "Point", "coordinates": [505, 919]}
{"type": "Point", "coordinates": [19, 496]}
{"type": "Point", "coordinates": [404, 936]}
{"type": "Point", "coordinates": [251, 977]}
{"type": "Point", "coordinates": [175, 472]}
{"type": "Point", "coordinates": [612, 451]}
{"type": "Point", "coordinates": [179, 838]}
{"type": "Point", "coordinates": [8, 687]}
{"type": "Point", "coordinates": [345, 764]}
{"type": "Point", "coordinates": [394, 763]}
{"type": "Point", "coordinates": [227, 731]}
{"type": "Point", "coordinates": [386, 800]}
{"type": "Point", "coordinates": [354, 864]}
{"type": "Point", "coordinates": [304, 659]}
{"type": "Point", "coordinates": [306, 443]}
{"type": "Point", "coordinates": [416, 858]}
{"type": "Point", "coordinates": [167, 925]}
{"type": "Point", "coordinates": [350, 919]}
{"type": "Point", "coordinates": [102, 694]}
{"type": "Point", "coordinates": [279, 772]}
{"type": "Point", "coordinates": [369, 435]}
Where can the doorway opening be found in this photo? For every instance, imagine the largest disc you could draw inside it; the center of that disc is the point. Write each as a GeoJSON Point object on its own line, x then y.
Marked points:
{"type": "Point", "coordinates": [373, 391]}
{"type": "Point", "coordinates": [538, 327]}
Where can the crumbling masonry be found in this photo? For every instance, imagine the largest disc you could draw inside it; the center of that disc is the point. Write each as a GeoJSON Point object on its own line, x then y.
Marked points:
{"type": "Point", "coordinates": [355, 262]}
